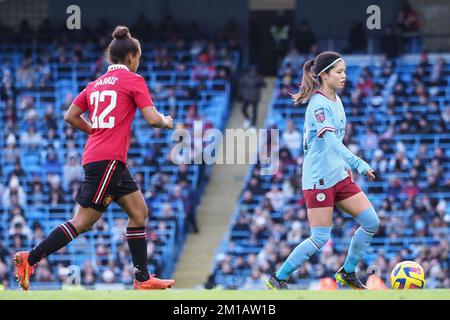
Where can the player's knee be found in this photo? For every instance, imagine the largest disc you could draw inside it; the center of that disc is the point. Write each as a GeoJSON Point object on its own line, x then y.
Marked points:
{"type": "Point", "coordinates": [140, 217]}
{"type": "Point", "coordinates": [369, 220]}
{"type": "Point", "coordinates": [81, 225]}
{"type": "Point", "coordinates": [376, 223]}
{"type": "Point", "coordinates": [138, 221]}
{"type": "Point", "coordinates": [320, 236]}
{"type": "Point", "coordinates": [144, 214]}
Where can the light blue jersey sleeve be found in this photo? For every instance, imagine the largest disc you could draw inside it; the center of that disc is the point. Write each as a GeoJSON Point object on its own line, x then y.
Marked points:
{"type": "Point", "coordinates": [321, 118]}
{"type": "Point", "coordinates": [326, 159]}
{"type": "Point", "coordinates": [351, 159]}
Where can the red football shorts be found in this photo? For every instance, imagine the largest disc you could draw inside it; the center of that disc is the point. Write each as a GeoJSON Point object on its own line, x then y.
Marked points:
{"type": "Point", "coordinates": [320, 198]}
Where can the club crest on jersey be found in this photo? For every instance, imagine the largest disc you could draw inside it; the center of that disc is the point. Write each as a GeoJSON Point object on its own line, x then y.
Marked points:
{"type": "Point", "coordinates": [319, 115]}
{"type": "Point", "coordinates": [320, 197]}
{"type": "Point", "coordinates": [107, 200]}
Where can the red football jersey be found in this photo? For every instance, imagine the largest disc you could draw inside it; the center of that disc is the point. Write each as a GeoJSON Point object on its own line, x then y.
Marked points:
{"type": "Point", "coordinates": [111, 101]}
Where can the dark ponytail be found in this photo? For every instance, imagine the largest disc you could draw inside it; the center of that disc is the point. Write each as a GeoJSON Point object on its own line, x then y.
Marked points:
{"type": "Point", "coordinates": [122, 44]}
{"type": "Point", "coordinates": [311, 70]}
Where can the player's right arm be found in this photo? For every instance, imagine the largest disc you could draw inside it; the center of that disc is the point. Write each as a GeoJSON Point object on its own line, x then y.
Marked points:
{"type": "Point", "coordinates": [74, 114]}
{"type": "Point", "coordinates": [74, 117]}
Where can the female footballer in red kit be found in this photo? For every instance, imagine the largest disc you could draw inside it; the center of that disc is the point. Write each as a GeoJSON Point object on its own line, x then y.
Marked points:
{"type": "Point", "coordinates": [111, 101]}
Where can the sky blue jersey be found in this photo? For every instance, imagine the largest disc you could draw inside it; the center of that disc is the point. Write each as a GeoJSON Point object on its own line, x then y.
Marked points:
{"type": "Point", "coordinates": [323, 167]}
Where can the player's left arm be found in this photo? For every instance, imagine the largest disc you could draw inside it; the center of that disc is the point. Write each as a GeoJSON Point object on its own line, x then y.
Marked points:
{"type": "Point", "coordinates": [321, 116]}
{"type": "Point", "coordinates": [156, 119]}
{"type": "Point", "coordinates": [353, 160]}
{"type": "Point", "coordinates": [74, 117]}
{"type": "Point", "coordinates": [143, 100]}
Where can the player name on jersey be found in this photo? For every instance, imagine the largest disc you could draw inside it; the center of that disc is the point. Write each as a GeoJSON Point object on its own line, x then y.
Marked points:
{"type": "Point", "coordinates": [104, 81]}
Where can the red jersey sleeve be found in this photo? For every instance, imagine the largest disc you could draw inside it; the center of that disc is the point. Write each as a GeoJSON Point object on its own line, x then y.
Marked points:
{"type": "Point", "coordinates": [140, 93]}
{"type": "Point", "coordinates": [81, 101]}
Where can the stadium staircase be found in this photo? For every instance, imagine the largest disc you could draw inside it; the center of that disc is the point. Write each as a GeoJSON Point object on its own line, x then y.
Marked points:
{"type": "Point", "coordinates": [215, 211]}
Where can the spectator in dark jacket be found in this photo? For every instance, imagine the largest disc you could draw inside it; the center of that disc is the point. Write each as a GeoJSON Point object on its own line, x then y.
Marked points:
{"type": "Point", "coordinates": [249, 92]}
{"type": "Point", "coordinates": [305, 38]}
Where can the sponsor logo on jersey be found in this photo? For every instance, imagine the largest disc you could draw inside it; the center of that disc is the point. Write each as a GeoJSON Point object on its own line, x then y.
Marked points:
{"type": "Point", "coordinates": [340, 133]}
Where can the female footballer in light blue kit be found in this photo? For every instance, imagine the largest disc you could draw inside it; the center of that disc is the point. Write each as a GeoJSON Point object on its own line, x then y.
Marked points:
{"type": "Point", "coordinates": [327, 172]}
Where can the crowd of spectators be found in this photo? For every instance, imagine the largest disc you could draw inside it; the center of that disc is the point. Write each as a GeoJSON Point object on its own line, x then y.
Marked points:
{"type": "Point", "coordinates": [400, 37]}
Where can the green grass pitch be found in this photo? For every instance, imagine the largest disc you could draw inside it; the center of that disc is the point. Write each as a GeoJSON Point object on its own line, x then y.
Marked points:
{"type": "Point", "coordinates": [184, 294]}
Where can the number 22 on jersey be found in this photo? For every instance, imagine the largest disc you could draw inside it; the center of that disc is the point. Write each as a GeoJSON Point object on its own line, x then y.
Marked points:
{"type": "Point", "coordinates": [98, 122]}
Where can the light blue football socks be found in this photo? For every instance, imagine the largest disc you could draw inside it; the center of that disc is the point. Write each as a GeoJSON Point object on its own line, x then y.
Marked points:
{"type": "Point", "coordinates": [319, 237]}
{"type": "Point", "coordinates": [369, 222]}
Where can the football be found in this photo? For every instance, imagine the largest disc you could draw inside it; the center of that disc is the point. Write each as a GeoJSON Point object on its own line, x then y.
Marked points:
{"type": "Point", "coordinates": [408, 275]}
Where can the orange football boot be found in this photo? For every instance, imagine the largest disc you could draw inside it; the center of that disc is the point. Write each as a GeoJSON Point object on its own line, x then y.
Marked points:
{"type": "Point", "coordinates": [154, 284]}
{"type": "Point", "coordinates": [24, 270]}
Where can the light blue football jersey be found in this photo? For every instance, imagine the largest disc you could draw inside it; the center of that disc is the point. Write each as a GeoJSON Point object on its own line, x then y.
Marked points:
{"type": "Point", "coordinates": [322, 166]}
